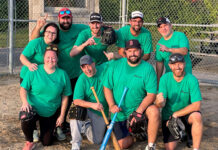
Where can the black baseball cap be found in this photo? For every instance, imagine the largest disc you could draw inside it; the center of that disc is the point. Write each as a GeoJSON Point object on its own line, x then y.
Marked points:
{"type": "Point", "coordinates": [176, 57]}
{"type": "Point", "coordinates": [95, 17]}
{"type": "Point", "coordinates": [132, 44]}
{"type": "Point", "coordinates": [162, 20]}
{"type": "Point", "coordinates": [86, 60]}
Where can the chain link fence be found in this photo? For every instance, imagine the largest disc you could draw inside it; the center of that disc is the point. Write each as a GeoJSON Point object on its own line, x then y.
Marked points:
{"type": "Point", "coordinates": [196, 18]}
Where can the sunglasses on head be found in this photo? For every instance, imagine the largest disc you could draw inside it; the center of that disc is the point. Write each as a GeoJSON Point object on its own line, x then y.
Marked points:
{"type": "Point", "coordinates": [65, 12]}
{"type": "Point", "coordinates": [176, 58]}
{"type": "Point", "coordinates": [52, 48]}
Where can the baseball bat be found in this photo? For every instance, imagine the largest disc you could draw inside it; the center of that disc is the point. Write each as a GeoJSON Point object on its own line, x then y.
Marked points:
{"type": "Point", "coordinates": [113, 137]}
{"type": "Point", "coordinates": [110, 128]}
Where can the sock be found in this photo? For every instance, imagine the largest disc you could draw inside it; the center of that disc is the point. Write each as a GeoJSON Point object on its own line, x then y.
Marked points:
{"type": "Point", "coordinates": [151, 144]}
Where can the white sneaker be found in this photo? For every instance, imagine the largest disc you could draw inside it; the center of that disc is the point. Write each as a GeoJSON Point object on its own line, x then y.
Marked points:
{"type": "Point", "coordinates": [60, 135]}
{"type": "Point", "coordinates": [150, 148]}
{"type": "Point", "coordinates": [75, 146]}
{"type": "Point", "coordinates": [35, 136]}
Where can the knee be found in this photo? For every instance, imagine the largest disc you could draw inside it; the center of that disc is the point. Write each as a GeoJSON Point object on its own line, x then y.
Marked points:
{"type": "Point", "coordinates": [195, 117]}
{"type": "Point", "coordinates": [47, 140]}
{"type": "Point", "coordinates": [125, 142]}
{"type": "Point", "coordinates": [153, 112]}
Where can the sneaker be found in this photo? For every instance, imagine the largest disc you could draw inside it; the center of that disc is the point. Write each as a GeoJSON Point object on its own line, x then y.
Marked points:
{"type": "Point", "coordinates": [60, 135]}
{"type": "Point", "coordinates": [150, 148]}
{"type": "Point", "coordinates": [29, 146]}
{"type": "Point", "coordinates": [35, 136]}
{"type": "Point", "coordinates": [75, 146]}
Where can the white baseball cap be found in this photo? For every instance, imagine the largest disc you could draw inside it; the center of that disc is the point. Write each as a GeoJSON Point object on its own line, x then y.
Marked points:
{"type": "Point", "coordinates": [137, 14]}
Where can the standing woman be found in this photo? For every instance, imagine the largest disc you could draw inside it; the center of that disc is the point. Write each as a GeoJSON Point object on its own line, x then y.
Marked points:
{"type": "Point", "coordinates": [33, 53]}
{"type": "Point", "coordinates": [45, 90]}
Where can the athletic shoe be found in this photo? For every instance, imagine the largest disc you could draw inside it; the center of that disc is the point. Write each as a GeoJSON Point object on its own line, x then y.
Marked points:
{"type": "Point", "coordinates": [75, 146]}
{"type": "Point", "coordinates": [29, 146]}
{"type": "Point", "coordinates": [60, 135]}
{"type": "Point", "coordinates": [35, 136]}
{"type": "Point", "coordinates": [150, 148]}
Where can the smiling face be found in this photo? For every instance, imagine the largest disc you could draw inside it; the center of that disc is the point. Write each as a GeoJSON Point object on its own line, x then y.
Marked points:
{"type": "Point", "coordinates": [178, 69]}
{"type": "Point", "coordinates": [89, 70]}
{"type": "Point", "coordinates": [65, 22]}
{"type": "Point", "coordinates": [95, 27]}
{"type": "Point", "coordinates": [50, 59]}
{"type": "Point", "coordinates": [136, 24]}
{"type": "Point", "coordinates": [165, 30]}
{"type": "Point", "coordinates": [133, 55]}
{"type": "Point", "coordinates": [50, 34]}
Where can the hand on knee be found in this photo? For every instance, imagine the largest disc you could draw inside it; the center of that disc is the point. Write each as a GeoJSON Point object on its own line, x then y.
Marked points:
{"type": "Point", "coordinates": [125, 142]}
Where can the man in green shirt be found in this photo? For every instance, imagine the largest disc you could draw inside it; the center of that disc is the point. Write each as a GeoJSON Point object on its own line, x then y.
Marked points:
{"type": "Point", "coordinates": [94, 126]}
{"type": "Point", "coordinates": [171, 42]}
{"type": "Point", "coordinates": [67, 35]}
{"type": "Point", "coordinates": [135, 31]}
{"type": "Point", "coordinates": [140, 78]}
{"type": "Point", "coordinates": [180, 97]}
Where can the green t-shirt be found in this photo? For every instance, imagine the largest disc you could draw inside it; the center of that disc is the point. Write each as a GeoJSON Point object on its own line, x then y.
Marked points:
{"type": "Point", "coordinates": [144, 38]}
{"type": "Point", "coordinates": [139, 80]}
{"type": "Point", "coordinates": [83, 88]}
{"type": "Point", "coordinates": [95, 51]}
{"type": "Point", "coordinates": [34, 52]}
{"type": "Point", "coordinates": [178, 95]}
{"type": "Point", "coordinates": [178, 40]}
{"type": "Point", "coordinates": [45, 91]}
{"type": "Point", "coordinates": [67, 40]}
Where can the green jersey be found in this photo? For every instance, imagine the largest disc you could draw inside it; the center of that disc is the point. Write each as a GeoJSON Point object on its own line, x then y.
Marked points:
{"type": "Point", "coordinates": [83, 88]}
{"type": "Point", "coordinates": [34, 52]}
{"type": "Point", "coordinates": [95, 51]}
{"type": "Point", "coordinates": [144, 38]}
{"type": "Point", "coordinates": [139, 80]}
{"type": "Point", "coordinates": [67, 40]}
{"type": "Point", "coordinates": [178, 95]}
{"type": "Point", "coordinates": [45, 91]}
{"type": "Point", "coordinates": [178, 40]}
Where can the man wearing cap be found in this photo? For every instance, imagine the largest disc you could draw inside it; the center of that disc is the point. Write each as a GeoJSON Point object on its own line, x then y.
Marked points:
{"type": "Point", "coordinates": [180, 97]}
{"type": "Point", "coordinates": [171, 42]}
{"type": "Point", "coordinates": [67, 35]}
{"type": "Point", "coordinates": [135, 31]}
{"type": "Point", "coordinates": [140, 78]}
{"type": "Point", "coordinates": [89, 41]}
{"type": "Point", "coordinates": [94, 128]}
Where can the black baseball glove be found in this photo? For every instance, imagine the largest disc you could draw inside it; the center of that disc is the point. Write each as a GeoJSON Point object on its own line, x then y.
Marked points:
{"type": "Point", "coordinates": [176, 127]}
{"type": "Point", "coordinates": [27, 116]}
{"type": "Point", "coordinates": [137, 129]}
{"type": "Point", "coordinates": [108, 36]}
{"type": "Point", "coordinates": [77, 112]}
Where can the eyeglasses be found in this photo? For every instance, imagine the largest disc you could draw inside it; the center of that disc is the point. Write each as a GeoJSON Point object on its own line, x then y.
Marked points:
{"type": "Point", "coordinates": [52, 48]}
{"type": "Point", "coordinates": [176, 58]}
{"type": "Point", "coordinates": [49, 32]}
{"type": "Point", "coordinates": [65, 12]}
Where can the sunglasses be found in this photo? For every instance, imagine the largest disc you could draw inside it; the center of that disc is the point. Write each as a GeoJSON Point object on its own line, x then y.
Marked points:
{"type": "Point", "coordinates": [65, 12]}
{"type": "Point", "coordinates": [52, 48]}
{"type": "Point", "coordinates": [176, 58]}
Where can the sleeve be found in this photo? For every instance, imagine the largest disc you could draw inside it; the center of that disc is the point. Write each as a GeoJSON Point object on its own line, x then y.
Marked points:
{"type": "Point", "coordinates": [151, 84]}
{"type": "Point", "coordinates": [163, 86]}
{"type": "Point", "coordinates": [79, 91]}
{"type": "Point", "coordinates": [183, 41]}
{"type": "Point", "coordinates": [157, 53]}
{"type": "Point", "coordinates": [29, 50]}
{"type": "Point", "coordinates": [120, 38]}
{"type": "Point", "coordinates": [148, 47]}
{"type": "Point", "coordinates": [67, 89]}
{"type": "Point", "coordinates": [108, 79]}
{"type": "Point", "coordinates": [195, 90]}
{"type": "Point", "coordinates": [80, 39]}
{"type": "Point", "coordinates": [26, 83]}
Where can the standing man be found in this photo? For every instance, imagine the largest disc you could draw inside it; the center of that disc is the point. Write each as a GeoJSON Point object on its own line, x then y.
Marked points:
{"type": "Point", "coordinates": [89, 41]}
{"type": "Point", "coordinates": [95, 127]}
{"type": "Point", "coordinates": [171, 42]}
{"type": "Point", "coordinates": [135, 31]}
{"type": "Point", "coordinates": [68, 35]}
{"type": "Point", "coordinates": [181, 93]}
{"type": "Point", "coordinates": [140, 78]}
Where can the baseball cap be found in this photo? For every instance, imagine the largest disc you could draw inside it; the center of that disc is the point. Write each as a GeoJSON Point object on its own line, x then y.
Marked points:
{"type": "Point", "coordinates": [162, 20]}
{"type": "Point", "coordinates": [86, 60]}
{"type": "Point", "coordinates": [95, 17]}
{"type": "Point", "coordinates": [133, 44]}
{"type": "Point", "coordinates": [137, 14]}
{"type": "Point", "coordinates": [64, 12]}
{"type": "Point", "coordinates": [176, 57]}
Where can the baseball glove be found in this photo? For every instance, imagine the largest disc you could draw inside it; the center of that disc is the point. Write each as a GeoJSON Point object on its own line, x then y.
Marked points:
{"type": "Point", "coordinates": [137, 129]}
{"type": "Point", "coordinates": [176, 128]}
{"type": "Point", "coordinates": [27, 116]}
{"type": "Point", "coordinates": [108, 36]}
{"type": "Point", "coordinates": [77, 112]}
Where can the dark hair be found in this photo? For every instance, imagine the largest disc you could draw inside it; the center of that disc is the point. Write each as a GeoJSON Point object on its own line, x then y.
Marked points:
{"type": "Point", "coordinates": [56, 41]}
{"type": "Point", "coordinates": [52, 47]}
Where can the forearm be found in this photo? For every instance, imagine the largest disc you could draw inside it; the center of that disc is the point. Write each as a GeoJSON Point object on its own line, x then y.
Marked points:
{"type": "Point", "coordinates": [64, 105]}
{"type": "Point", "coordinates": [23, 95]}
{"type": "Point", "coordinates": [146, 57]}
{"type": "Point", "coordinates": [149, 99]}
{"type": "Point", "coordinates": [159, 70]}
{"type": "Point", "coordinates": [183, 50]}
{"type": "Point", "coordinates": [77, 49]}
{"type": "Point", "coordinates": [35, 33]}
{"type": "Point", "coordinates": [24, 60]}
{"type": "Point", "coordinates": [109, 97]}
{"type": "Point", "coordinates": [196, 106]}
{"type": "Point", "coordinates": [82, 103]}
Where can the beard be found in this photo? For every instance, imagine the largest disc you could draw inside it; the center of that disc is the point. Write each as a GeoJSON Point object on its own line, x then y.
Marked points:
{"type": "Point", "coordinates": [135, 61]}
{"type": "Point", "coordinates": [136, 30]}
{"type": "Point", "coordinates": [63, 27]}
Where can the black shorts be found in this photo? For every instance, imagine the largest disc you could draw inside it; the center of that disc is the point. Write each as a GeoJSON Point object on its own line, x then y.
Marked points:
{"type": "Point", "coordinates": [167, 136]}
{"type": "Point", "coordinates": [120, 129]}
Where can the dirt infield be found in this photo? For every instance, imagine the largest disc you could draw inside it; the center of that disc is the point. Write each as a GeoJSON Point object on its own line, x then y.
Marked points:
{"type": "Point", "coordinates": [12, 138]}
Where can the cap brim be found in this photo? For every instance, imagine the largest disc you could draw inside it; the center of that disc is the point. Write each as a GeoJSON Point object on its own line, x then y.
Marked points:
{"type": "Point", "coordinates": [136, 17]}
{"type": "Point", "coordinates": [95, 21]}
{"type": "Point", "coordinates": [65, 15]}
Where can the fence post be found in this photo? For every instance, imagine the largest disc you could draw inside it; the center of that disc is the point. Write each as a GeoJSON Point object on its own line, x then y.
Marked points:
{"type": "Point", "coordinates": [123, 12]}
{"type": "Point", "coordinates": [10, 26]}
